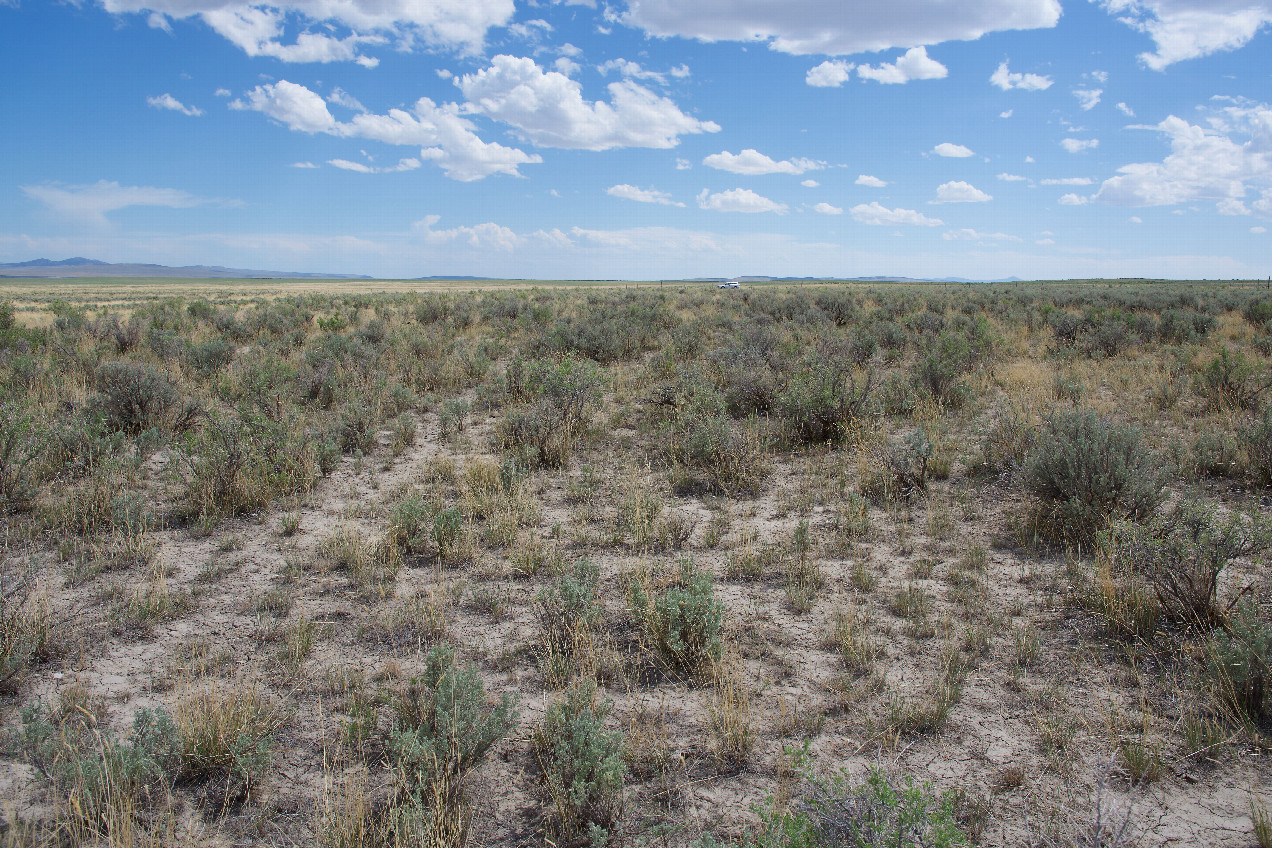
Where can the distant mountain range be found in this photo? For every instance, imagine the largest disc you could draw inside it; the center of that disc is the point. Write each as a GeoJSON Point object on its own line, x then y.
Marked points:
{"type": "Point", "coordinates": [78, 266]}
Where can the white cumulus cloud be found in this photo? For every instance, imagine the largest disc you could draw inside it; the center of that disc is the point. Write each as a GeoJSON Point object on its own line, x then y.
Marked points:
{"type": "Point", "coordinates": [1226, 160]}
{"type": "Point", "coordinates": [446, 136]}
{"type": "Point", "coordinates": [487, 236]}
{"type": "Point", "coordinates": [1088, 98]}
{"type": "Point", "coordinates": [1077, 145]}
{"type": "Point", "coordinates": [1074, 200]}
{"type": "Point", "coordinates": [751, 163]}
{"type": "Point", "coordinates": [1011, 178]}
{"type": "Point", "coordinates": [167, 101]}
{"type": "Point", "coordinates": [958, 191]}
{"type": "Point", "coordinates": [548, 109]}
{"type": "Point", "coordinates": [952, 151]}
{"type": "Point", "coordinates": [827, 209]}
{"type": "Point", "coordinates": [738, 200]}
{"type": "Point", "coordinates": [914, 65]}
{"type": "Point", "coordinates": [837, 28]}
{"type": "Point", "coordinates": [829, 74]}
{"type": "Point", "coordinates": [332, 30]}
{"type": "Point", "coordinates": [967, 234]}
{"type": "Point", "coordinates": [878, 215]}
{"type": "Point", "coordinates": [872, 182]}
{"type": "Point", "coordinates": [1006, 80]}
{"type": "Point", "coordinates": [810, 183]}
{"type": "Point", "coordinates": [1188, 29]}
{"type": "Point", "coordinates": [641, 195]}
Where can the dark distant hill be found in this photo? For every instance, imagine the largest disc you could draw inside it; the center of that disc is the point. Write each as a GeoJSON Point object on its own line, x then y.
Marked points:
{"type": "Point", "coordinates": [78, 266]}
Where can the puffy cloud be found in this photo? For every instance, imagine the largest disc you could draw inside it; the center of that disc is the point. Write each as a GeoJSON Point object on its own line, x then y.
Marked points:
{"type": "Point", "coordinates": [810, 184]}
{"type": "Point", "coordinates": [167, 101]}
{"type": "Point", "coordinates": [1068, 181]}
{"type": "Point", "coordinates": [872, 182]}
{"type": "Point", "coordinates": [257, 28]}
{"type": "Point", "coordinates": [1077, 145]}
{"type": "Point", "coordinates": [914, 65]}
{"type": "Point", "coordinates": [1258, 231]}
{"type": "Point", "coordinates": [548, 109]}
{"type": "Point", "coordinates": [631, 70]}
{"type": "Point", "coordinates": [402, 165]}
{"type": "Point", "coordinates": [1187, 29]}
{"type": "Point", "coordinates": [829, 74]}
{"type": "Point", "coordinates": [1221, 162]}
{"type": "Point", "coordinates": [878, 215]}
{"type": "Point", "coordinates": [813, 26]}
{"type": "Point", "coordinates": [958, 191]}
{"type": "Point", "coordinates": [1011, 178]}
{"type": "Point", "coordinates": [753, 163]}
{"type": "Point", "coordinates": [1074, 200]}
{"type": "Point", "coordinates": [827, 209]}
{"type": "Point", "coordinates": [1007, 114]}
{"type": "Point", "coordinates": [488, 236]}
{"type": "Point", "coordinates": [1006, 80]}
{"type": "Point", "coordinates": [1088, 98]}
{"type": "Point", "coordinates": [1126, 110]}
{"type": "Point", "coordinates": [738, 200]}
{"type": "Point", "coordinates": [952, 151]}
{"type": "Point", "coordinates": [1231, 206]}
{"type": "Point", "coordinates": [967, 234]}
{"type": "Point", "coordinates": [641, 195]}
{"type": "Point", "coordinates": [89, 204]}
{"type": "Point", "coordinates": [447, 137]}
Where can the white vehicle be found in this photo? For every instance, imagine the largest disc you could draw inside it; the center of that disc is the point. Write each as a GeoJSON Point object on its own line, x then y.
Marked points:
{"type": "Point", "coordinates": [730, 285]}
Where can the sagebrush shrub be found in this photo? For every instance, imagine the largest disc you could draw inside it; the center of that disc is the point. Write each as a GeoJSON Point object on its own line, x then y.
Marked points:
{"type": "Point", "coordinates": [683, 620]}
{"type": "Point", "coordinates": [135, 396]}
{"type": "Point", "coordinates": [1240, 662]}
{"type": "Point", "coordinates": [1086, 471]}
{"type": "Point", "coordinates": [568, 610]}
{"type": "Point", "coordinates": [582, 766]}
{"type": "Point", "coordinates": [822, 399]}
{"type": "Point", "coordinates": [1256, 442]}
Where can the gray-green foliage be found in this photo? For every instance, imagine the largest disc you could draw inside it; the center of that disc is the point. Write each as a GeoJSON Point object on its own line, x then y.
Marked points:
{"type": "Point", "coordinates": [568, 608]}
{"type": "Point", "coordinates": [1086, 471]}
{"type": "Point", "coordinates": [94, 770]}
{"type": "Point", "coordinates": [556, 398]}
{"type": "Point", "coordinates": [1239, 663]}
{"type": "Point", "coordinates": [135, 397]}
{"type": "Point", "coordinates": [21, 443]}
{"type": "Point", "coordinates": [1182, 553]}
{"type": "Point", "coordinates": [582, 766]}
{"type": "Point", "coordinates": [882, 812]}
{"type": "Point", "coordinates": [684, 619]}
{"type": "Point", "coordinates": [443, 724]}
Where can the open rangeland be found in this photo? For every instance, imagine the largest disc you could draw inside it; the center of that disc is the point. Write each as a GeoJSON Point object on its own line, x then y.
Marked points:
{"type": "Point", "coordinates": [663, 565]}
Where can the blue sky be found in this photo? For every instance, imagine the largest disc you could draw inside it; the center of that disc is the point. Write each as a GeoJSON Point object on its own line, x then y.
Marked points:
{"type": "Point", "coordinates": [642, 139]}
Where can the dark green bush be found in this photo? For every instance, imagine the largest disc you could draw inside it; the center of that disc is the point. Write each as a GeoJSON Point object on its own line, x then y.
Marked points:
{"type": "Point", "coordinates": [21, 444]}
{"type": "Point", "coordinates": [582, 767]}
{"type": "Point", "coordinates": [822, 399]}
{"type": "Point", "coordinates": [683, 620]}
{"type": "Point", "coordinates": [1086, 471]}
{"type": "Point", "coordinates": [1256, 441]}
{"type": "Point", "coordinates": [1231, 382]}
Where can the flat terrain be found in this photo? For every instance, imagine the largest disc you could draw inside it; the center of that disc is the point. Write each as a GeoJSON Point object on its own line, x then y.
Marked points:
{"type": "Point", "coordinates": [1010, 541]}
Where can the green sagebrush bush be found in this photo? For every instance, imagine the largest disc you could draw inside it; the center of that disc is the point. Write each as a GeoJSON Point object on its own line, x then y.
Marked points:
{"type": "Point", "coordinates": [133, 397]}
{"type": "Point", "coordinates": [556, 398]}
{"type": "Point", "coordinates": [1230, 381]}
{"type": "Point", "coordinates": [568, 609]}
{"type": "Point", "coordinates": [1182, 553]}
{"type": "Point", "coordinates": [100, 775]}
{"type": "Point", "coordinates": [708, 452]}
{"type": "Point", "coordinates": [443, 726]}
{"type": "Point", "coordinates": [21, 445]}
{"type": "Point", "coordinates": [238, 465]}
{"type": "Point", "coordinates": [683, 620]}
{"type": "Point", "coordinates": [1085, 471]}
{"type": "Point", "coordinates": [1256, 442]}
{"type": "Point", "coordinates": [1239, 663]}
{"type": "Point", "coordinates": [884, 810]}
{"type": "Point", "coordinates": [822, 399]}
{"type": "Point", "coordinates": [582, 766]}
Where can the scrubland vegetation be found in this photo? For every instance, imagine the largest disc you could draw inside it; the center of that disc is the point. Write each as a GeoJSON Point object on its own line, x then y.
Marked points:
{"type": "Point", "coordinates": [783, 566]}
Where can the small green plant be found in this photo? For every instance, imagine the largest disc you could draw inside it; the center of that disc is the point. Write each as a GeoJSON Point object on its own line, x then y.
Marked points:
{"type": "Point", "coordinates": [568, 611]}
{"type": "Point", "coordinates": [1262, 821]}
{"type": "Point", "coordinates": [582, 767]}
{"type": "Point", "coordinates": [683, 620]}
{"type": "Point", "coordinates": [226, 735]}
